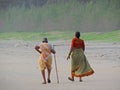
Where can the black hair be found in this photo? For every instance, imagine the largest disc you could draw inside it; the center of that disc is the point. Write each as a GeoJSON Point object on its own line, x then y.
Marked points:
{"type": "Point", "coordinates": [45, 40]}
{"type": "Point", "coordinates": [77, 34]}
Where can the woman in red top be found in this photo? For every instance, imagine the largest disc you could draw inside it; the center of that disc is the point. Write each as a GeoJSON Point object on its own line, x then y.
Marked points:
{"type": "Point", "coordinates": [79, 64]}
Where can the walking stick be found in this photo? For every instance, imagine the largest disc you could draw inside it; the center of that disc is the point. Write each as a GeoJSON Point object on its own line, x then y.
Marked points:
{"type": "Point", "coordinates": [56, 67]}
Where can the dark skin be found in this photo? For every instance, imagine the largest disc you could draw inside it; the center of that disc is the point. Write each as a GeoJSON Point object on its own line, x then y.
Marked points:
{"type": "Point", "coordinates": [37, 49]}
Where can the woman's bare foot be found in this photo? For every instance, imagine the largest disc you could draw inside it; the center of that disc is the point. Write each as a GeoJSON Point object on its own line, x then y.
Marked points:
{"type": "Point", "coordinates": [44, 83]}
{"type": "Point", "coordinates": [71, 79]}
{"type": "Point", "coordinates": [49, 81]}
{"type": "Point", "coordinates": [81, 80]}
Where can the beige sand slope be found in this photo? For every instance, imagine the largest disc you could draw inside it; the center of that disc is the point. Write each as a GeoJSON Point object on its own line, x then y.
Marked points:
{"type": "Point", "coordinates": [19, 68]}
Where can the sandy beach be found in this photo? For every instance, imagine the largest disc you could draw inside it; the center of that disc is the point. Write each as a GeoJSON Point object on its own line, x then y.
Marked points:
{"type": "Point", "coordinates": [19, 67]}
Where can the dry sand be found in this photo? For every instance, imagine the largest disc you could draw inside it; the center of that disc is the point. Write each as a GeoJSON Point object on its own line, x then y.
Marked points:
{"type": "Point", "coordinates": [19, 67]}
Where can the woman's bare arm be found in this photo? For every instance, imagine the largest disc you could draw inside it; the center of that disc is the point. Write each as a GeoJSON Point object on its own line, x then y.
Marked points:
{"type": "Point", "coordinates": [71, 49]}
{"type": "Point", "coordinates": [37, 49]}
{"type": "Point", "coordinates": [53, 51]}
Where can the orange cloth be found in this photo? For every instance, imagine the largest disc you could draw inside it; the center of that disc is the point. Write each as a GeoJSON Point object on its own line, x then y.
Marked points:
{"type": "Point", "coordinates": [45, 57]}
{"type": "Point", "coordinates": [42, 63]}
{"type": "Point", "coordinates": [78, 43]}
{"type": "Point", "coordinates": [46, 53]}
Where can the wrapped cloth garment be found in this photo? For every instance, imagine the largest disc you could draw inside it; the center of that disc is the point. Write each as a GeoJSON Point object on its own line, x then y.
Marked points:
{"type": "Point", "coordinates": [80, 67]}
{"type": "Point", "coordinates": [45, 57]}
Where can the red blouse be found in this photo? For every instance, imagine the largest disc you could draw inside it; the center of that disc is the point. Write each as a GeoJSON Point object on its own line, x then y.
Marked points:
{"type": "Point", "coordinates": [78, 43]}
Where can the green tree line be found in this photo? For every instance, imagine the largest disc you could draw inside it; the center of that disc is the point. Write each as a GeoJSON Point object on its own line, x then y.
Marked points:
{"type": "Point", "coordinates": [83, 15]}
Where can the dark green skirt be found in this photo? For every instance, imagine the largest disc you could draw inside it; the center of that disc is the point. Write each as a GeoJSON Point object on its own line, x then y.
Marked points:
{"type": "Point", "coordinates": [80, 67]}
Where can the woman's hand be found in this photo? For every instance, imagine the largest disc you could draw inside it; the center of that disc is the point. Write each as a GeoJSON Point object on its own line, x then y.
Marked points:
{"type": "Point", "coordinates": [37, 47]}
{"type": "Point", "coordinates": [68, 57]}
{"type": "Point", "coordinates": [71, 49]}
{"type": "Point", "coordinates": [53, 51]}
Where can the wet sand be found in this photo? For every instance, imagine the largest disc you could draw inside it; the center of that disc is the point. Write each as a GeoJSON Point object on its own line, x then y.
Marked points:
{"type": "Point", "coordinates": [19, 67]}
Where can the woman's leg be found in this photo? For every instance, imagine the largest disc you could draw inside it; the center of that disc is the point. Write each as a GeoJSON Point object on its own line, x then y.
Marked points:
{"type": "Point", "coordinates": [43, 75]}
{"type": "Point", "coordinates": [81, 79]}
{"type": "Point", "coordinates": [48, 65]}
{"type": "Point", "coordinates": [49, 72]}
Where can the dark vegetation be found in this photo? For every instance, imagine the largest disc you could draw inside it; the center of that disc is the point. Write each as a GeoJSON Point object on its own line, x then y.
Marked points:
{"type": "Point", "coordinates": [59, 15]}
